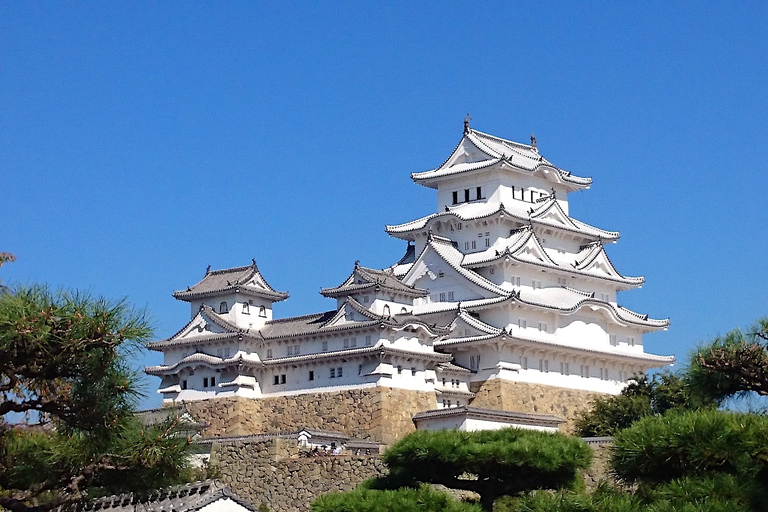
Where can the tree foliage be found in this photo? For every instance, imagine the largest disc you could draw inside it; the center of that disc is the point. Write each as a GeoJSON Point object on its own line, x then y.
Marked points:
{"type": "Point", "coordinates": [63, 361]}
{"type": "Point", "coordinates": [642, 397]}
{"type": "Point", "coordinates": [490, 463]}
{"type": "Point", "coordinates": [422, 499]}
{"type": "Point", "coordinates": [736, 363]}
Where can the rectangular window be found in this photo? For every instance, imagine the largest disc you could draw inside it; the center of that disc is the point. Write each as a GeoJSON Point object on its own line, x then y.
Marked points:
{"type": "Point", "coordinates": [543, 326]}
{"type": "Point", "coordinates": [474, 244]}
{"type": "Point", "coordinates": [338, 371]}
{"type": "Point", "coordinates": [491, 271]}
{"type": "Point", "coordinates": [368, 340]}
{"type": "Point", "coordinates": [612, 339]}
{"type": "Point", "coordinates": [226, 352]}
{"type": "Point", "coordinates": [296, 350]}
{"type": "Point", "coordinates": [276, 379]}
{"type": "Point", "coordinates": [466, 195]}
{"type": "Point", "coordinates": [466, 246]}
{"type": "Point", "coordinates": [546, 365]}
{"type": "Point", "coordinates": [521, 323]}
{"type": "Point", "coordinates": [352, 342]}
{"type": "Point", "coordinates": [442, 296]}
{"type": "Point", "coordinates": [282, 379]}
{"type": "Point", "coordinates": [541, 365]}
{"type": "Point", "coordinates": [631, 341]}
{"type": "Point", "coordinates": [479, 192]}
{"type": "Point", "coordinates": [413, 371]}
{"type": "Point", "coordinates": [567, 370]}
{"type": "Point", "coordinates": [219, 352]}
{"type": "Point", "coordinates": [515, 281]}
{"type": "Point", "coordinates": [213, 382]}
{"type": "Point", "coordinates": [459, 227]}
{"type": "Point", "coordinates": [311, 375]}
{"type": "Point", "coordinates": [536, 284]}
{"type": "Point", "coordinates": [290, 350]}
{"type": "Point", "coordinates": [399, 370]}
{"type": "Point", "coordinates": [450, 295]}
{"type": "Point", "coordinates": [487, 242]}
{"type": "Point", "coordinates": [184, 384]}
{"type": "Point", "coordinates": [269, 353]}
{"type": "Point", "coordinates": [346, 342]}
{"type": "Point", "coordinates": [524, 362]}
{"type": "Point", "coordinates": [365, 299]}
{"type": "Point", "coordinates": [561, 280]}
{"type": "Point", "coordinates": [479, 235]}
{"type": "Point", "coordinates": [325, 346]}
{"type": "Point", "coordinates": [455, 197]}
{"type": "Point", "coordinates": [333, 373]}
{"type": "Point", "coordinates": [359, 369]}
{"type": "Point", "coordinates": [205, 382]}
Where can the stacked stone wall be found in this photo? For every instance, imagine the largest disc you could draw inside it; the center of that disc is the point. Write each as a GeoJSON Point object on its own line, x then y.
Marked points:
{"type": "Point", "coordinates": [378, 414]}
{"type": "Point", "coordinates": [525, 397]}
{"type": "Point", "coordinates": [269, 472]}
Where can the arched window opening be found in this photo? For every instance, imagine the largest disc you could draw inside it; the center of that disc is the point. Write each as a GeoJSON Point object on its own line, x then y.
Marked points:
{"type": "Point", "coordinates": [403, 311]}
{"type": "Point", "coordinates": [246, 309]}
{"type": "Point", "coordinates": [262, 312]}
{"type": "Point", "coordinates": [223, 308]}
{"type": "Point", "coordinates": [386, 310]}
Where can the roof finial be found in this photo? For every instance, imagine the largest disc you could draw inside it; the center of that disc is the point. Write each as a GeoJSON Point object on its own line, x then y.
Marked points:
{"type": "Point", "coordinates": [466, 123]}
{"type": "Point", "coordinates": [357, 263]}
{"type": "Point", "coordinates": [208, 269]}
{"type": "Point", "coordinates": [533, 142]}
{"type": "Point", "coordinates": [253, 260]}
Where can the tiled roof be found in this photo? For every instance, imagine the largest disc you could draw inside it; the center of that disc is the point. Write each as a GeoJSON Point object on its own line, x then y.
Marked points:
{"type": "Point", "coordinates": [517, 242]}
{"type": "Point", "coordinates": [201, 358]}
{"type": "Point", "coordinates": [516, 210]}
{"type": "Point", "coordinates": [363, 279]}
{"type": "Point", "coordinates": [376, 350]}
{"type": "Point", "coordinates": [182, 498]}
{"type": "Point", "coordinates": [641, 357]}
{"type": "Point", "coordinates": [526, 418]}
{"type": "Point", "coordinates": [246, 280]}
{"type": "Point", "coordinates": [499, 151]}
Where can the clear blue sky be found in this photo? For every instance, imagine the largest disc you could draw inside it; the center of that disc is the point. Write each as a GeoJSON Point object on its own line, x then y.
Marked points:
{"type": "Point", "coordinates": [141, 142]}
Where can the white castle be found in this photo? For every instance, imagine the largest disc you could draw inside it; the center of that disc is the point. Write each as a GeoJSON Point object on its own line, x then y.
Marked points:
{"type": "Point", "coordinates": [500, 283]}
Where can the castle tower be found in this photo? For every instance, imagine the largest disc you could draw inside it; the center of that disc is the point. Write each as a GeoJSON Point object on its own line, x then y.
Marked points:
{"type": "Point", "coordinates": [502, 300]}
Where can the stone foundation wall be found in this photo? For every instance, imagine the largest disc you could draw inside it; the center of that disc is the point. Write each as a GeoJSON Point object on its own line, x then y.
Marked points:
{"type": "Point", "coordinates": [525, 397]}
{"type": "Point", "coordinates": [261, 473]}
{"type": "Point", "coordinates": [378, 414]}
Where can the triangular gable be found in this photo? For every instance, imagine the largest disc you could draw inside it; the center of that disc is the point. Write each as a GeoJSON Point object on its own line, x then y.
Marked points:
{"type": "Point", "coordinates": [553, 213]}
{"type": "Point", "coordinates": [466, 325]}
{"type": "Point", "coordinates": [440, 259]}
{"type": "Point", "coordinates": [596, 261]}
{"type": "Point", "coordinates": [350, 308]}
{"type": "Point", "coordinates": [201, 325]}
{"type": "Point", "coordinates": [530, 250]}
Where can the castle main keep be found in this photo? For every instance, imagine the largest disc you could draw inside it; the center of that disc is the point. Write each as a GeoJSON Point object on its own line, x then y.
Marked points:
{"type": "Point", "coordinates": [501, 301]}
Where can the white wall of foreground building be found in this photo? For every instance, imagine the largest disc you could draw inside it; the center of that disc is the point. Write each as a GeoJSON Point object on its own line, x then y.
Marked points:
{"type": "Point", "coordinates": [472, 419]}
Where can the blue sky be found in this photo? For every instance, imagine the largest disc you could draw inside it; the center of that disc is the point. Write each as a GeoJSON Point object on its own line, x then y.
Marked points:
{"type": "Point", "coordinates": [141, 142]}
